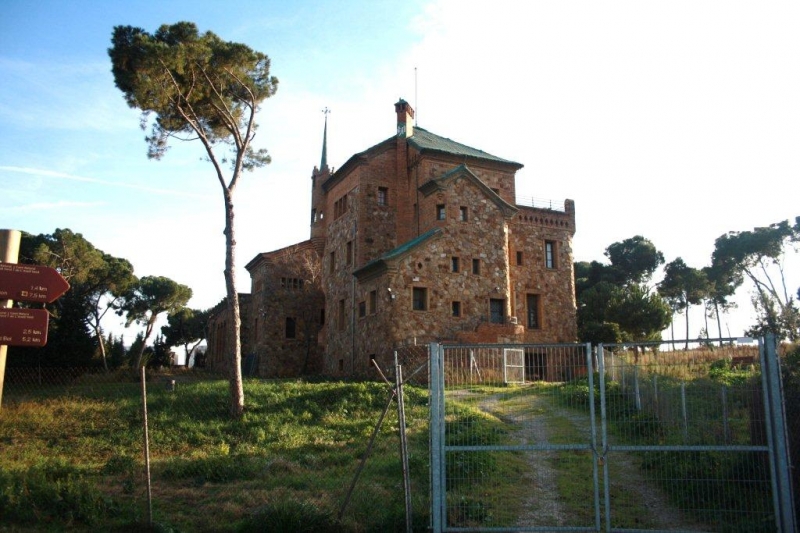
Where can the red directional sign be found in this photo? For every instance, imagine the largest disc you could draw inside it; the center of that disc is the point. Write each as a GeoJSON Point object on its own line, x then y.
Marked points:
{"type": "Point", "coordinates": [30, 283]}
{"type": "Point", "coordinates": [23, 327]}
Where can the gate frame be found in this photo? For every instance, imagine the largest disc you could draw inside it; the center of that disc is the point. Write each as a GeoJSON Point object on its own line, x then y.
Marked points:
{"type": "Point", "coordinates": [777, 447]}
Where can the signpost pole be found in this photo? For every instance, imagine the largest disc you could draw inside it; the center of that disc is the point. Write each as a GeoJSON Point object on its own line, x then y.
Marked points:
{"type": "Point", "coordinates": [9, 253]}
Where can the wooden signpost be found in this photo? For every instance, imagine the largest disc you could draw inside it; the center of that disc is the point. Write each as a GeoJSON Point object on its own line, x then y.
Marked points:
{"type": "Point", "coordinates": [23, 283]}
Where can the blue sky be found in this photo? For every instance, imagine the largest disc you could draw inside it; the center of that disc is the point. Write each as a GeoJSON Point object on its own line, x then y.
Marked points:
{"type": "Point", "coordinates": [675, 120]}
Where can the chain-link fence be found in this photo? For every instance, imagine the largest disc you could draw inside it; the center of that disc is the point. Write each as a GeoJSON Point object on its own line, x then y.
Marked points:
{"type": "Point", "coordinates": [651, 436]}
{"type": "Point", "coordinates": [74, 452]}
{"type": "Point", "coordinates": [321, 455]}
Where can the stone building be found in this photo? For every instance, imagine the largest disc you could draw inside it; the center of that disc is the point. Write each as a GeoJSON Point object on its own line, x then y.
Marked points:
{"type": "Point", "coordinates": [416, 239]}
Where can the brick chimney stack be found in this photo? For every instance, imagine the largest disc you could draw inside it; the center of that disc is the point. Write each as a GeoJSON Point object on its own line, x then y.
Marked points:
{"type": "Point", "coordinates": [405, 119]}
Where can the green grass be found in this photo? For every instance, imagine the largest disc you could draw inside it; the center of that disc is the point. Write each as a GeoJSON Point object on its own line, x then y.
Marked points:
{"type": "Point", "coordinates": [291, 456]}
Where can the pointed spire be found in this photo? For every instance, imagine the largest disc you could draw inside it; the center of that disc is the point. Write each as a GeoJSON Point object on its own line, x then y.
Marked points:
{"type": "Point", "coordinates": [324, 163]}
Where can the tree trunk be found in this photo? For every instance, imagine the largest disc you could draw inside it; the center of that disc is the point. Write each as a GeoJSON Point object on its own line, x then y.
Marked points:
{"type": "Point", "coordinates": [98, 333]}
{"type": "Point", "coordinates": [686, 347]}
{"type": "Point", "coordinates": [235, 363]}
{"type": "Point", "coordinates": [719, 321]}
{"type": "Point", "coordinates": [147, 331]}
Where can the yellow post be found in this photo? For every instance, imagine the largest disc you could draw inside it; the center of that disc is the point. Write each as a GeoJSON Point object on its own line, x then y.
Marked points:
{"type": "Point", "coordinates": [9, 253]}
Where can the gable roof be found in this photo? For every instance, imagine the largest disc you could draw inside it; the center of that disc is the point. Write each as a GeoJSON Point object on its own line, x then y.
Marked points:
{"type": "Point", "coordinates": [378, 266]}
{"type": "Point", "coordinates": [267, 257]}
{"type": "Point", "coordinates": [424, 140]}
{"type": "Point", "coordinates": [440, 183]}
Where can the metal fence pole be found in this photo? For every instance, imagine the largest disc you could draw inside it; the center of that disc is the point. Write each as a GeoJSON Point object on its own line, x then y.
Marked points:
{"type": "Point", "coordinates": [146, 448]}
{"type": "Point", "coordinates": [401, 415]}
{"type": "Point", "coordinates": [436, 418]}
{"type": "Point", "coordinates": [726, 430]}
{"type": "Point", "coordinates": [604, 428]}
{"type": "Point", "coordinates": [684, 413]}
{"type": "Point", "coordinates": [779, 440]}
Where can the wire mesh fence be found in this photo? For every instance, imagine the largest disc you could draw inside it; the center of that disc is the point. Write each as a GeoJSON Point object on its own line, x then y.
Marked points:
{"type": "Point", "coordinates": [523, 439]}
{"type": "Point", "coordinates": [645, 437]}
{"type": "Point", "coordinates": [73, 453]}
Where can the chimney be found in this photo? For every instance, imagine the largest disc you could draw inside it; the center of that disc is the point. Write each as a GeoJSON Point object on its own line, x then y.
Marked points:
{"type": "Point", "coordinates": [405, 119]}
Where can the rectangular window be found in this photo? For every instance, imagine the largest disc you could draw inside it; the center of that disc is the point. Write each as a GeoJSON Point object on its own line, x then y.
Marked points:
{"type": "Point", "coordinates": [441, 212]}
{"type": "Point", "coordinates": [420, 299]}
{"type": "Point", "coordinates": [463, 214]}
{"type": "Point", "coordinates": [476, 266]}
{"type": "Point", "coordinates": [340, 315]}
{"type": "Point", "coordinates": [291, 328]}
{"type": "Point", "coordinates": [456, 308]}
{"type": "Point", "coordinates": [295, 284]}
{"type": "Point", "coordinates": [332, 265]}
{"type": "Point", "coordinates": [519, 258]}
{"type": "Point", "coordinates": [373, 302]}
{"type": "Point", "coordinates": [383, 196]}
{"type": "Point", "coordinates": [454, 264]}
{"type": "Point", "coordinates": [534, 321]}
{"type": "Point", "coordinates": [497, 311]}
{"type": "Point", "coordinates": [549, 254]}
{"type": "Point", "coordinates": [322, 317]}
{"type": "Point", "coordinates": [362, 309]}
{"type": "Point", "coordinates": [340, 207]}
{"type": "Point", "coordinates": [349, 256]}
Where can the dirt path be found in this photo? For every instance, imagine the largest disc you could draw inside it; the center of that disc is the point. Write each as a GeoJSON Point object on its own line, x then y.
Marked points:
{"type": "Point", "coordinates": [544, 507]}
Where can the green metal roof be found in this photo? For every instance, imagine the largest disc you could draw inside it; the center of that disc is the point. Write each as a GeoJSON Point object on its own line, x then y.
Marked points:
{"type": "Point", "coordinates": [378, 263]}
{"type": "Point", "coordinates": [422, 139]}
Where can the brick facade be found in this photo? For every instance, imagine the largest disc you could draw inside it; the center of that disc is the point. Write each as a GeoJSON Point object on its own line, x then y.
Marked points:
{"type": "Point", "coordinates": [416, 239]}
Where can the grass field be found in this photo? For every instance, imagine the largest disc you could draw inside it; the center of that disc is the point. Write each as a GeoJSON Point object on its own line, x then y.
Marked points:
{"type": "Point", "coordinates": [73, 457]}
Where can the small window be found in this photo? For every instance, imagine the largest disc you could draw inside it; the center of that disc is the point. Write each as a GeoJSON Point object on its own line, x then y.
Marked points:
{"type": "Point", "coordinates": [313, 215]}
{"type": "Point", "coordinates": [497, 311]}
{"type": "Point", "coordinates": [373, 302]}
{"type": "Point", "coordinates": [454, 264]}
{"type": "Point", "coordinates": [341, 365]}
{"type": "Point", "coordinates": [519, 258]}
{"type": "Point", "coordinates": [322, 317]}
{"type": "Point", "coordinates": [340, 315]}
{"type": "Point", "coordinates": [534, 321]}
{"type": "Point", "coordinates": [456, 309]}
{"type": "Point", "coordinates": [463, 214]}
{"type": "Point", "coordinates": [291, 328]}
{"type": "Point", "coordinates": [383, 196]}
{"type": "Point", "coordinates": [349, 256]}
{"type": "Point", "coordinates": [420, 299]}
{"type": "Point", "coordinates": [333, 262]}
{"type": "Point", "coordinates": [362, 309]}
{"type": "Point", "coordinates": [476, 267]}
{"type": "Point", "coordinates": [549, 254]}
{"type": "Point", "coordinates": [441, 212]}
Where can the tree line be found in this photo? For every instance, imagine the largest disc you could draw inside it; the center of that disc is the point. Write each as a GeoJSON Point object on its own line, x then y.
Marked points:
{"type": "Point", "coordinates": [618, 302]}
{"type": "Point", "coordinates": [100, 284]}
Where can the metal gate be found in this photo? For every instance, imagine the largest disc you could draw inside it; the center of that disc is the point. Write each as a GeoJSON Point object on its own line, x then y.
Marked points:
{"type": "Point", "coordinates": [645, 437]}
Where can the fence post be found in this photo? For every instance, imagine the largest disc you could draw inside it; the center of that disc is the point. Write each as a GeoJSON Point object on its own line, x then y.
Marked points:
{"type": "Point", "coordinates": [636, 392]}
{"type": "Point", "coordinates": [436, 418]}
{"type": "Point", "coordinates": [401, 415]}
{"type": "Point", "coordinates": [146, 448]}
{"type": "Point", "coordinates": [601, 366]}
{"type": "Point", "coordinates": [9, 253]}
{"type": "Point", "coordinates": [684, 413]}
{"type": "Point", "coordinates": [726, 431]}
{"type": "Point", "coordinates": [777, 429]}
